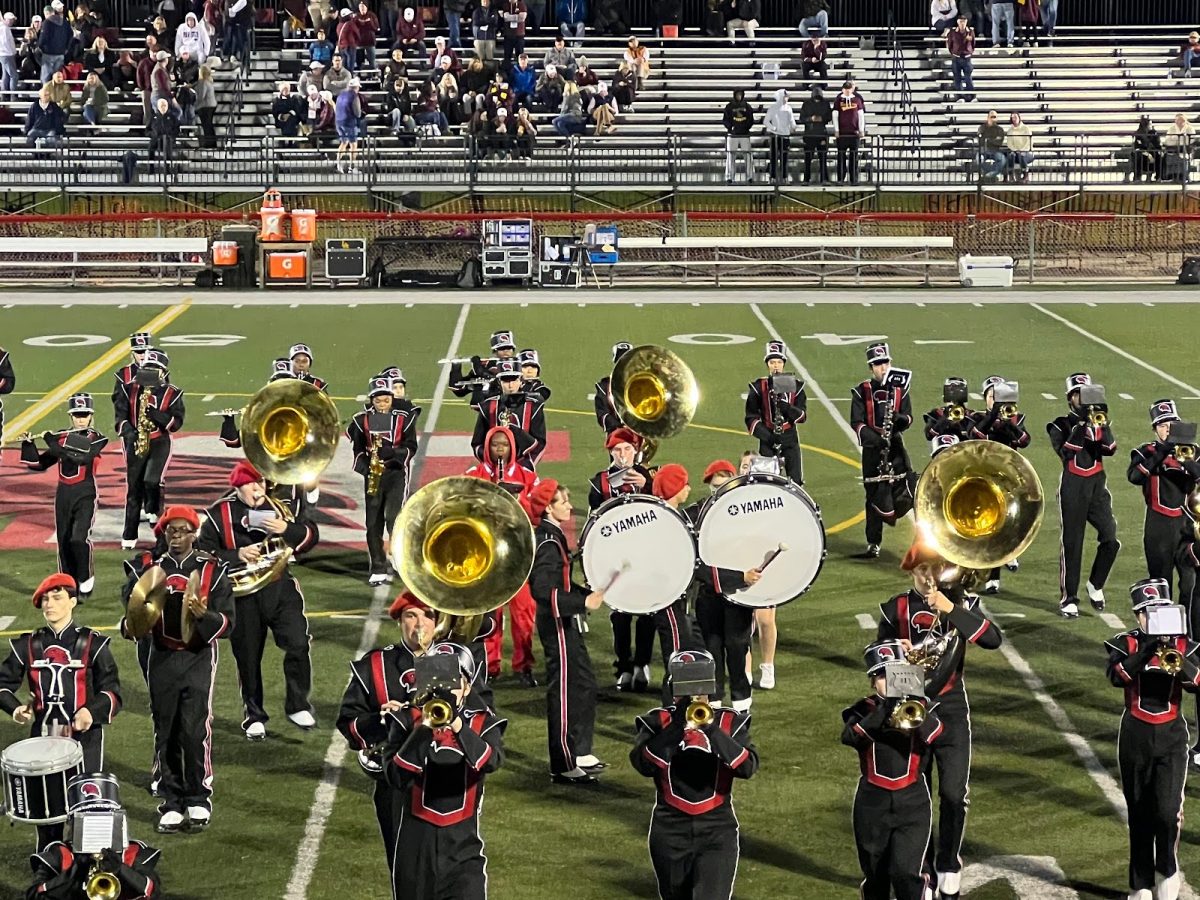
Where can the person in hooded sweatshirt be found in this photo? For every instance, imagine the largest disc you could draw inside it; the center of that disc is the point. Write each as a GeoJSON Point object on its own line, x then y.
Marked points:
{"type": "Point", "coordinates": [780, 122]}
{"type": "Point", "coordinates": [815, 116]}
{"type": "Point", "coordinates": [193, 37]}
{"type": "Point", "coordinates": [739, 120]}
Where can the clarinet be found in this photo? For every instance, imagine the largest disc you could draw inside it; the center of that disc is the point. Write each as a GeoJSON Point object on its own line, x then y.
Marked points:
{"type": "Point", "coordinates": [886, 469]}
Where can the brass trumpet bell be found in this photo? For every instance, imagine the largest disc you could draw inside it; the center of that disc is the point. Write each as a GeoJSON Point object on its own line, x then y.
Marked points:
{"type": "Point", "coordinates": [654, 391]}
{"type": "Point", "coordinates": [437, 713]}
{"type": "Point", "coordinates": [289, 431]}
{"type": "Point", "coordinates": [980, 504]}
{"type": "Point", "coordinates": [909, 715]}
{"type": "Point", "coordinates": [102, 885]}
{"type": "Point", "coordinates": [464, 546]}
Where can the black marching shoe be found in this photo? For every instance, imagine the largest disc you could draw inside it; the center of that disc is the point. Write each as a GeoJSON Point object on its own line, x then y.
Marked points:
{"type": "Point", "coordinates": [872, 552]}
{"type": "Point", "coordinates": [567, 778]}
{"type": "Point", "coordinates": [527, 679]}
{"type": "Point", "coordinates": [1069, 608]}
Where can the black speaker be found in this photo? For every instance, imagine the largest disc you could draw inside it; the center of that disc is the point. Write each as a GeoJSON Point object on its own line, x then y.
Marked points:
{"type": "Point", "coordinates": [1189, 272]}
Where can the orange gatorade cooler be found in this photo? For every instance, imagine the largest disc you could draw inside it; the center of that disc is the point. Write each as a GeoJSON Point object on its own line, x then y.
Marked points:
{"type": "Point", "coordinates": [287, 266]}
{"type": "Point", "coordinates": [304, 225]}
{"type": "Point", "coordinates": [225, 253]}
{"type": "Point", "coordinates": [273, 214]}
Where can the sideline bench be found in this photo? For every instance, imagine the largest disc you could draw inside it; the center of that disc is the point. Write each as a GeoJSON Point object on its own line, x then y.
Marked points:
{"type": "Point", "coordinates": [22, 257]}
{"type": "Point", "coordinates": [817, 256]}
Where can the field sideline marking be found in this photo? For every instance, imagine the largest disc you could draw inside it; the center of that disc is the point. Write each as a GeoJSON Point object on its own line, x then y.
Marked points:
{"type": "Point", "coordinates": [81, 379]}
{"type": "Point", "coordinates": [309, 850]}
{"type": "Point", "coordinates": [1100, 775]}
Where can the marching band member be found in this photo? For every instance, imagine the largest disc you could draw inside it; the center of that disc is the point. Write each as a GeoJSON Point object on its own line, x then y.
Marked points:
{"type": "Point", "coordinates": [879, 413]}
{"type": "Point", "coordinates": [930, 614]}
{"type": "Point", "coordinates": [234, 532]}
{"type": "Point", "coordinates": [531, 375]}
{"type": "Point", "coordinates": [773, 416]}
{"type": "Point", "coordinates": [182, 667]}
{"type": "Point", "coordinates": [140, 343]}
{"type": "Point", "coordinates": [562, 607]}
{"type": "Point", "coordinates": [606, 411]}
{"type": "Point", "coordinates": [73, 682]}
{"type": "Point", "coordinates": [519, 412]}
{"type": "Point", "coordinates": [1152, 743]}
{"type": "Point", "coordinates": [384, 442]}
{"type": "Point", "coordinates": [76, 452]}
{"type": "Point", "coordinates": [440, 772]}
{"type": "Point", "coordinates": [626, 476]}
{"type": "Point", "coordinates": [893, 810]}
{"type": "Point", "coordinates": [953, 416]}
{"type": "Point", "coordinates": [1083, 499]}
{"type": "Point", "coordinates": [149, 410]}
{"type": "Point", "coordinates": [499, 466]}
{"type": "Point", "coordinates": [281, 369]}
{"type": "Point", "coordinates": [8, 384]}
{"type": "Point", "coordinates": [694, 841]}
{"type": "Point", "coordinates": [1165, 480]}
{"type": "Point", "coordinates": [301, 358]}
{"type": "Point", "coordinates": [483, 371]}
{"type": "Point", "coordinates": [990, 424]}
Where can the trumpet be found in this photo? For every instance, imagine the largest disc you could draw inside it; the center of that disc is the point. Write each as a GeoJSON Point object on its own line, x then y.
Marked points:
{"type": "Point", "coordinates": [437, 713]}
{"type": "Point", "coordinates": [908, 715]}
{"type": "Point", "coordinates": [1008, 410]}
{"type": "Point", "coordinates": [955, 413]}
{"type": "Point", "coordinates": [1170, 660]}
{"type": "Point", "coordinates": [1184, 452]}
{"type": "Point", "coordinates": [699, 712]}
{"type": "Point", "coordinates": [1097, 417]}
{"type": "Point", "coordinates": [102, 884]}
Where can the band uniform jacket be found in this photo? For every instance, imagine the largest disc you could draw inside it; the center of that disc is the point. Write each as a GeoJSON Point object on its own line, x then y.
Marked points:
{"type": "Point", "coordinates": [937, 422]}
{"type": "Point", "coordinates": [908, 617]}
{"type": "Point", "coordinates": [75, 475]}
{"type": "Point", "coordinates": [989, 425]}
{"type": "Point", "coordinates": [481, 368]}
{"type": "Point", "coordinates": [59, 873]}
{"type": "Point", "coordinates": [1080, 446]}
{"type": "Point", "coordinates": [319, 383]}
{"type": "Point", "coordinates": [601, 487]}
{"type": "Point", "coordinates": [773, 417]}
{"type": "Point", "coordinates": [217, 621]}
{"type": "Point", "coordinates": [888, 759]}
{"type": "Point", "coordinates": [693, 769]}
{"type": "Point", "coordinates": [66, 672]}
{"type": "Point", "coordinates": [228, 528]}
{"type": "Point", "coordinates": [1151, 695]}
{"type": "Point", "coordinates": [122, 379]}
{"type": "Point", "coordinates": [606, 410]}
{"type": "Point", "coordinates": [166, 410]}
{"type": "Point", "coordinates": [399, 444]}
{"type": "Point", "coordinates": [1164, 480]}
{"type": "Point", "coordinates": [538, 387]}
{"type": "Point", "coordinates": [868, 405]}
{"type": "Point", "coordinates": [528, 425]}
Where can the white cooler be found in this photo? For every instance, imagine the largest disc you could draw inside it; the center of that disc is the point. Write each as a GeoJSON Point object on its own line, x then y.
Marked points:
{"type": "Point", "coordinates": [985, 271]}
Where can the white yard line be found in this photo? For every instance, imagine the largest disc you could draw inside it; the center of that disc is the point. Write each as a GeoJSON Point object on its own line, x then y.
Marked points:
{"type": "Point", "coordinates": [309, 850]}
{"type": "Point", "coordinates": [866, 621]}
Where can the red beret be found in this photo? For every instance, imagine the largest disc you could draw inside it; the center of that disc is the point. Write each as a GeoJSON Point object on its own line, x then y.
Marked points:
{"type": "Point", "coordinates": [243, 473]}
{"type": "Point", "coordinates": [623, 435]}
{"type": "Point", "coordinates": [920, 552]}
{"type": "Point", "coordinates": [718, 467]}
{"type": "Point", "coordinates": [542, 496]}
{"type": "Point", "coordinates": [407, 600]}
{"type": "Point", "coordinates": [669, 481]}
{"type": "Point", "coordinates": [177, 512]}
{"type": "Point", "coordinates": [57, 580]}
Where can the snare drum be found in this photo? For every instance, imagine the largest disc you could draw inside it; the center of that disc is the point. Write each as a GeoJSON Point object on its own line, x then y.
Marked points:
{"type": "Point", "coordinates": [747, 519]}
{"type": "Point", "coordinates": [640, 551]}
{"type": "Point", "coordinates": [36, 773]}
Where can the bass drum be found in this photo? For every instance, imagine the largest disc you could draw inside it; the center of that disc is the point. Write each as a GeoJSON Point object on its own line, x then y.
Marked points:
{"type": "Point", "coordinates": [747, 519]}
{"type": "Point", "coordinates": [640, 551]}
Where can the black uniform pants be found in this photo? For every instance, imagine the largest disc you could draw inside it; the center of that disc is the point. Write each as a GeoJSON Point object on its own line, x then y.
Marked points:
{"type": "Point", "coordinates": [1153, 761]}
{"type": "Point", "coordinates": [725, 628]}
{"type": "Point", "coordinates": [143, 482]}
{"type": "Point", "coordinates": [885, 502]}
{"type": "Point", "coordinates": [280, 608]}
{"type": "Point", "coordinates": [570, 691]}
{"type": "Point", "coordinates": [381, 511]}
{"type": "Point", "coordinates": [818, 147]}
{"type": "Point", "coordinates": [1162, 537]}
{"type": "Point", "coordinates": [74, 515]}
{"type": "Point", "coordinates": [891, 830]}
{"type": "Point", "coordinates": [633, 640]}
{"type": "Point", "coordinates": [438, 863]}
{"type": "Point", "coordinates": [389, 808]}
{"type": "Point", "coordinates": [694, 857]}
{"type": "Point", "coordinates": [677, 630]}
{"type": "Point", "coordinates": [92, 743]}
{"type": "Point", "coordinates": [951, 753]}
{"type": "Point", "coordinates": [1081, 502]}
{"type": "Point", "coordinates": [788, 452]}
{"type": "Point", "coordinates": [181, 688]}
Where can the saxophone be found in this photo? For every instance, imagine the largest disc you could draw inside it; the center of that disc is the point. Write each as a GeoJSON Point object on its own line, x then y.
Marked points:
{"type": "Point", "coordinates": [144, 426]}
{"type": "Point", "coordinates": [374, 465]}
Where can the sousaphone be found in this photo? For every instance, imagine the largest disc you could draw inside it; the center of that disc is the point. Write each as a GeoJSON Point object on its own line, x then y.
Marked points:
{"type": "Point", "coordinates": [289, 431]}
{"type": "Point", "coordinates": [655, 394]}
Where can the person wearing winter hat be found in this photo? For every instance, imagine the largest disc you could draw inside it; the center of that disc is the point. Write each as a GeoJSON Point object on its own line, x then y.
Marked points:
{"type": "Point", "coordinates": [606, 410]}
{"type": "Point", "coordinates": [946, 618]}
{"type": "Point", "coordinates": [531, 373]}
{"type": "Point", "coordinates": [522, 413]}
{"type": "Point", "coordinates": [1083, 497]}
{"type": "Point", "coordinates": [235, 531]}
{"type": "Point", "coordinates": [193, 37]}
{"type": "Point", "coordinates": [954, 416]}
{"type": "Point", "coordinates": [54, 660]}
{"type": "Point", "coordinates": [776, 406]}
{"type": "Point", "coordinates": [76, 452]}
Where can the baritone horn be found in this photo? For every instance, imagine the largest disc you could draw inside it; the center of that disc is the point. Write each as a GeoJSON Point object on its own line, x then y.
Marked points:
{"type": "Point", "coordinates": [464, 547]}
{"type": "Point", "coordinates": [290, 431]}
{"type": "Point", "coordinates": [655, 394]}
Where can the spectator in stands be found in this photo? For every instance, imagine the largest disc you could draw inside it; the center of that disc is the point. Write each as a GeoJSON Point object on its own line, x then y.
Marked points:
{"type": "Point", "coordinates": [397, 107]}
{"type": "Point", "coordinates": [523, 79]}
{"type": "Point", "coordinates": [94, 99]}
{"type": "Point", "coordinates": [739, 120]}
{"type": "Point", "coordinates": [124, 73]}
{"type": "Point", "coordinates": [60, 92]}
{"type": "Point", "coordinates": [484, 25]}
{"type": "Point", "coordinates": [206, 107]}
{"type": "Point", "coordinates": [54, 40]}
{"type": "Point", "coordinates": [475, 80]}
{"type": "Point", "coordinates": [1049, 19]}
{"type": "Point", "coordinates": [601, 108]}
{"type": "Point", "coordinates": [164, 131]}
{"type": "Point", "coordinates": [315, 75]}
{"type": "Point", "coordinates": [29, 55]}
{"type": "Point", "coordinates": [638, 57]}
{"type": "Point", "coordinates": [1003, 13]}
{"type": "Point", "coordinates": [85, 25]}
{"type": "Point", "coordinates": [1030, 17]}
{"type": "Point", "coordinates": [572, 18]}
{"type": "Point", "coordinates": [584, 76]}
{"type": "Point", "coordinates": [396, 65]}
{"type": "Point", "coordinates": [1190, 53]}
{"type": "Point", "coordinates": [453, 11]}
{"type": "Point", "coordinates": [780, 122]}
{"type": "Point", "coordinates": [512, 27]}
{"type": "Point", "coordinates": [610, 17]}
{"type": "Point", "coordinates": [321, 50]}
{"type": "Point", "coordinates": [239, 19]}
{"type": "Point", "coordinates": [1177, 149]}
{"type": "Point", "coordinates": [320, 16]}
{"type": "Point", "coordinates": [991, 147]}
{"type": "Point", "coordinates": [525, 136]}
{"type": "Point", "coordinates": [429, 114]}
{"type": "Point", "coordinates": [285, 111]}
{"type": "Point", "coordinates": [1018, 143]}
{"type": "Point", "coordinates": [569, 120]}
{"type": "Point", "coordinates": [550, 88]}
{"type": "Point", "coordinates": [45, 123]}
{"type": "Point", "coordinates": [943, 14]}
{"type": "Point", "coordinates": [326, 117]}
{"type": "Point", "coordinates": [813, 53]}
{"type": "Point", "coordinates": [8, 58]}
{"type": "Point", "coordinates": [193, 38]}
{"type": "Point", "coordinates": [746, 14]}
{"type": "Point", "coordinates": [312, 110]}
{"type": "Point", "coordinates": [1145, 156]}
{"type": "Point", "coordinates": [161, 85]}
{"type": "Point", "coordinates": [448, 92]}
{"type": "Point", "coordinates": [186, 70]}
{"type": "Point", "coordinates": [960, 41]}
{"type": "Point", "coordinates": [162, 32]}
{"type": "Point", "coordinates": [849, 127]}
{"type": "Point", "coordinates": [389, 14]}
{"type": "Point", "coordinates": [347, 39]}
{"type": "Point", "coordinates": [976, 13]}
{"type": "Point", "coordinates": [625, 87]}
{"type": "Point", "coordinates": [498, 94]}
{"type": "Point", "coordinates": [814, 14]}
{"type": "Point", "coordinates": [561, 57]}
{"type": "Point", "coordinates": [346, 115]}
{"type": "Point", "coordinates": [815, 116]}
{"type": "Point", "coordinates": [99, 59]}
{"type": "Point", "coordinates": [443, 57]}
{"type": "Point", "coordinates": [145, 71]}
{"type": "Point", "coordinates": [337, 79]}
{"type": "Point", "coordinates": [496, 139]}
{"type": "Point", "coordinates": [366, 27]}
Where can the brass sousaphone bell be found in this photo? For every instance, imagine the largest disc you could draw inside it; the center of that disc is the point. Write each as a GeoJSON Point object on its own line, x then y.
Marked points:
{"type": "Point", "coordinates": [464, 547]}
{"type": "Point", "coordinates": [290, 431]}
{"type": "Point", "coordinates": [655, 394]}
{"type": "Point", "coordinates": [148, 599]}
